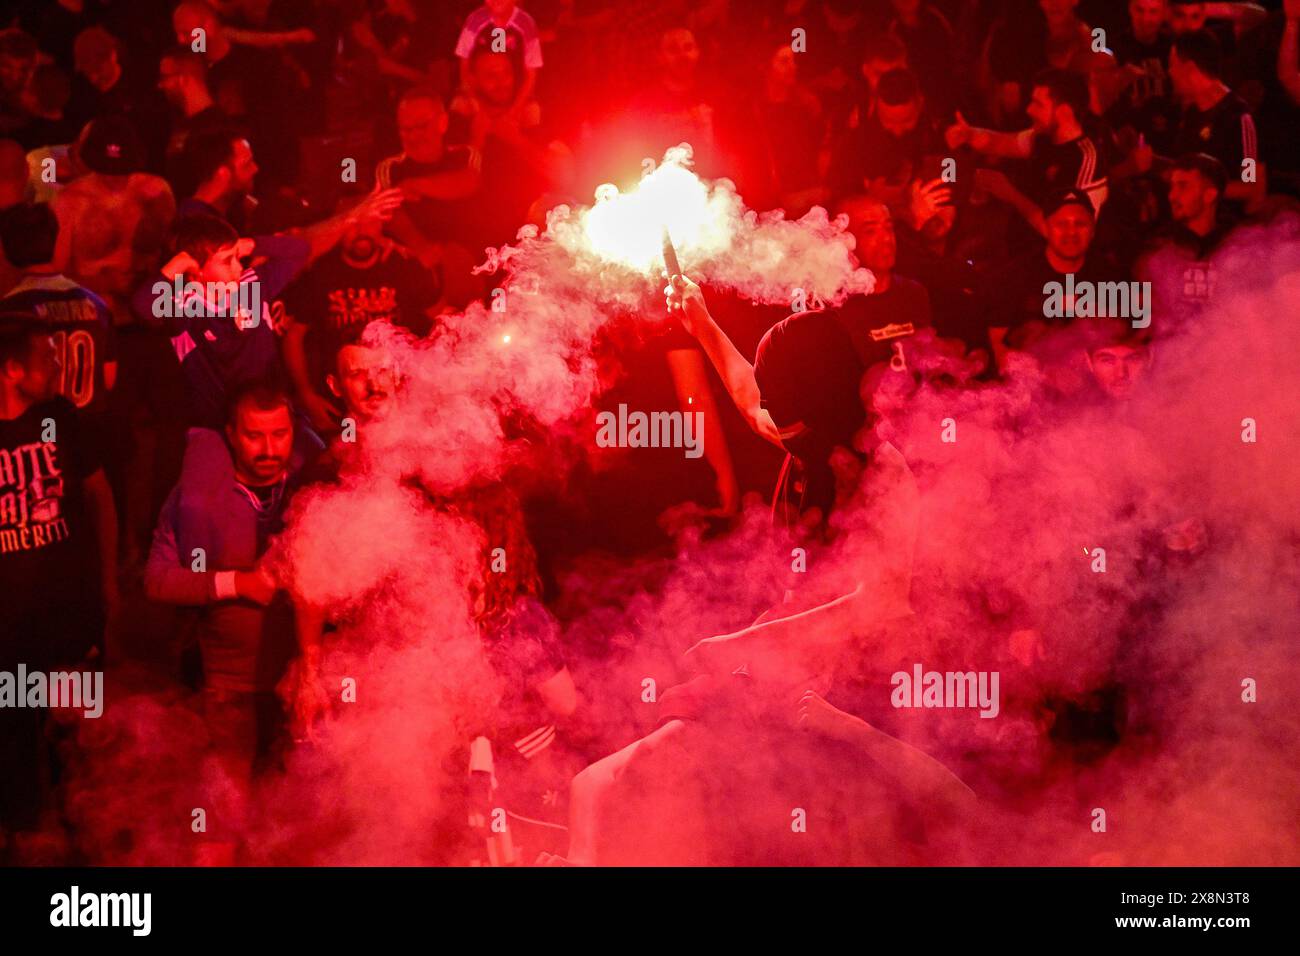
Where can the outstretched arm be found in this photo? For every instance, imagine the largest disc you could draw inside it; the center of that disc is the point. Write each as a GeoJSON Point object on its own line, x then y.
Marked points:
{"type": "Point", "coordinates": [989, 142]}
{"type": "Point", "coordinates": [687, 301]}
{"type": "Point", "coordinates": [767, 648]}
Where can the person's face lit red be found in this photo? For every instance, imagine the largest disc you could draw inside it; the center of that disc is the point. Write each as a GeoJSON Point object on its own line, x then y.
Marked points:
{"type": "Point", "coordinates": [421, 125]}
{"type": "Point", "coordinates": [782, 68]}
{"type": "Point", "coordinates": [1146, 17]}
{"type": "Point", "coordinates": [1042, 110]}
{"type": "Point", "coordinates": [223, 266]}
{"type": "Point", "coordinates": [679, 54]}
{"type": "Point", "coordinates": [1119, 369]}
{"type": "Point", "coordinates": [261, 442]}
{"type": "Point", "coordinates": [1069, 231]}
{"type": "Point", "coordinates": [243, 168]}
{"type": "Point", "coordinates": [1187, 17]}
{"type": "Point", "coordinates": [1189, 195]}
{"type": "Point", "coordinates": [38, 377]}
{"type": "Point", "coordinates": [1183, 75]}
{"type": "Point", "coordinates": [13, 73]}
{"type": "Point", "coordinates": [873, 231]}
{"type": "Point", "coordinates": [102, 74]}
{"type": "Point", "coordinates": [494, 79]}
{"type": "Point", "coordinates": [364, 381]}
{"type": "Point", "coordinates": [901, 119]}
{"type": "Point", "coordinates": [172, 82]}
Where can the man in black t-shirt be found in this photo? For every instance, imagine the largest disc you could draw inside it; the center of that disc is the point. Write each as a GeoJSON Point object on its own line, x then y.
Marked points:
{"type": "Point", "coordinates": [1216, 120]}
{"type": "Point", "coordinates": [57, 525]}
{"type": "Point", "coordinates": [366, 278]}
{"type": "Point", "coordinates": [881, 323]}
{"type": "Point", "coordinates": [1142, 48]}
{"type": "Point", "coordinates": [1060, 152]}
{"type": "Point", "coordinates": [883, 154]}
{"type": "Point", "coordinates": [1179, 259]}
{"type": "Point", "coordinates": [1014, 299]}
{"type": "Point", "coordinates": [438, 181]}
{"type": "Point", "coordinates": [57, 528]}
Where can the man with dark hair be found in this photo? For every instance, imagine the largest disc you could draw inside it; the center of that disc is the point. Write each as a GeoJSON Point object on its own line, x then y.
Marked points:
{"type": "Point", "coordinates": [46, 102]}
{"type": "Point", "coordinates": [882, 155]}
{"type": "Point", "coordinates": [1061, 154]}
{"type": "Point", "coordinates": [927, 34]}
{"type": "Point", "coordinates": [1142, 49]}
{"type": "Point", "coordinates": [1215, 120]}
{"type": "Point", "coordinates": [516, 158]}
{"type": "Point", "coordinates": [881, 53]}
{"type": "Point", "coordinates": [501, 23]}
{"type": "Point", "coordinates": [183, 79]}
{"type": "Point", "coordinates": [1196, 184]}
{"type": "Point", "coordinates": [367, 278]}
{"type": "Point", "coordinates": [77, 320]}
{"type": "Point", "coordinates": [1179, 259]}
{"type": "Point", "coordinates": [436, 180]}
{"type": "Point", "coordinates": [206, 557]}
{"type": "Point", "coordinates": [18, 58]}
{"type": "Point", "coordinates": [1118, 357]}
{"type": "Point", "coordinates": [1226, 21]}
{"type": "Point", "coordinates": [220, 320]}
{"type": "Point", "coordinates": [216, 171]}
{"type": "Point", "coordinates": [58, 552]}
{"type": "Point", "coordinates": [1014, 298]}
{"type": "Point", "coordinates": [105, 86]}
{"type": "Point", "coordinates": [880, 324]}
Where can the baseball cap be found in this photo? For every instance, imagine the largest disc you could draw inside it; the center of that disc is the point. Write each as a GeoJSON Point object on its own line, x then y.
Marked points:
{"type": "Point", "coordinates": [110, 145]}
{"type": "Point", "coordinates": [1068, 197]}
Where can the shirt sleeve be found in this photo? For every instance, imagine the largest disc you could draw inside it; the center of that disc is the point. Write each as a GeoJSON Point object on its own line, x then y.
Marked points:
{"type": "Point", "coordinates": [168, 579]}
{"type": "Point", "coordinates": [532, 43]}
{"type": "Point", "coordinates": [468, 34]}
{"type": "Point", "coordinates": [286, 256]}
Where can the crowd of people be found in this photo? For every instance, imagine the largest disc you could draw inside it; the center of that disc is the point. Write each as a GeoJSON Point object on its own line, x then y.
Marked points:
{"type": "Point", "coordinates": [204, 204]}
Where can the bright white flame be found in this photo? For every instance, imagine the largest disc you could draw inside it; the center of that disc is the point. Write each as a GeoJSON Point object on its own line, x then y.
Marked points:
{"type": "Point", "coordinates": [627, 228]}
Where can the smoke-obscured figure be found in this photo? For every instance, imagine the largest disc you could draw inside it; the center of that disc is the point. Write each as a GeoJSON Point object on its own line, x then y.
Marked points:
{"type": "Point", "coordinates": [445, 612]}
{"type": "Point", "coordinates": [729, 744]}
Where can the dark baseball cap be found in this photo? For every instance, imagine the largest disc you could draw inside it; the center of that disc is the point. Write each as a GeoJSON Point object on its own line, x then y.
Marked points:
{"type": "Point", "coordinates": [110, 145]}
{"type": "Point", "coordinates": [1068, 197]}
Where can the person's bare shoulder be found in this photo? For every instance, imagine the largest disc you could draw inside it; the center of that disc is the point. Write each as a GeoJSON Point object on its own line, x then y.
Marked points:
{"type": "Point", "coordinates": [149, 187]}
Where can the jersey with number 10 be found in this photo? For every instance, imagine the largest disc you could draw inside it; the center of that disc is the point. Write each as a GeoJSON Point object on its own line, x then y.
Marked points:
{"type": "Point", "coordinates": [81, 326]}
